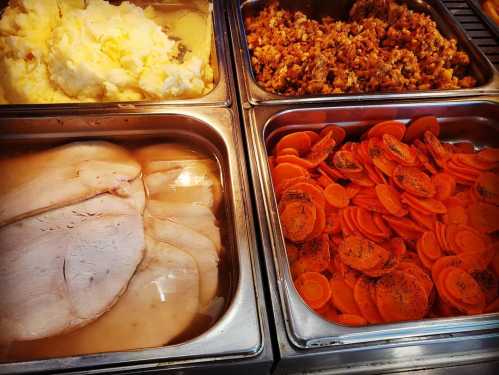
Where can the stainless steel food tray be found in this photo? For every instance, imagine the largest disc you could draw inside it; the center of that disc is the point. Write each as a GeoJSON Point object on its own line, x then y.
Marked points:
{"type": "Point", "coordinates": [253, 94]}
{"type": "Point", "coordinates": [306, 341]}
{"type": "Point", "coordinates": [241, 334]}
{"type": "Point", "coordinates": [220, 96]}
{"type": "Point", "coordinates": [477, 7]}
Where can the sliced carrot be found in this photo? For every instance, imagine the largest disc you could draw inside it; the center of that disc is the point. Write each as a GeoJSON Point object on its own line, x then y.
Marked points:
{"type": "Point", "coordinates": [380, 161]}
{"type": "Point", "coordinates": [428, 245]}
{"type": "Point", "coordinates": [367, 306]}
{"type": "Point", "coordinates": [320, 223]}
{"type": "Point", "coordinates": [414, 181]}
{"type": "Point", "coordinates": [285, 171]}
{"type": "Point", "coordinates": [464, 147]}
{"type": "Point", "coordinates": [403, 223]}
{"type": "Point", "coordinates": [418, 273]}
{"type": "Point", "coordinates": [394, 128]}
{"type": "Point", "coordinates": [289, 182]}
{"type": "Point", "coordinates": [351, 320]}
{"type": "Point", "coordinates": [339, 133]}
{"type": "Point", "coordinates": [347, 273]}
{"type": "Point", "coordinates": [425, 205]}
{"type": "Point", "coordinates": [295, 160]}
{"type": "Point", "coordinates": [445, 185]}
{"type": "Point", "coordinates": [361, 179]}
{"type": "Point", "coordinates": [426, 221]}
{"type": "Point", "coordinates": [463, 238]}
{"type": "Point", "coordinates": [331, 171]}
{"type": "Point", "coordinates": [324, 180]}
{"type": "Point", "coordinates": [313, 191]}
{"type": "Point", "coordinates": [397, 246]}
{"type": "Point", "coordinates": [342, 296]}
{"type": "Point", "coordinates": [484, 217]}
{"type": "Point", "coordinates": [489, 155]}
{"type": "Point", "coordinates": [487, 281]}
{"type": "Point", "coordinates": [373, 174]}
{"type": "Point", "coordinates": [400, 296]}
{"type": "Point", "coordinates": [321, 150]}
{"type": "Point", "coordinates": [462, 287]}
{"type": "Point", "coordinates": [332, 222]}
{"type": "Point", "coordinates": [298, 219]}
{"type": "Point", "coordinates": [384, 230]}
{"type": "Point", "coordinates": [336, 195]}
{"type": "Point", "coordinates": [366, 224]}
{"type": "Point", "coordinates": [472, 161]}
{"type": "Point", "coordinates": [288, 151]}
{"type": "Point", "coordinates": [315, 255]}
{"type": "Point", "coordinates": [345, 162]}
{"type": "Point", "coordinates": [300, 141]}
{"type": "Point", "coordinates": [437, 150]}
{"type": "Point", "coordinates": [419, 126]}
{"type": "Point", "coordinates": [329, 313]}
{"type": "Point", "coordinates": [361, 254]}
{"type": "Point", "coordinates": [352, 190]}
{"type": "Point", "coordinates": [314, 137]}
{"type": "Point", "coordinates": [390, 199]}
{"type": "Point", "coordinates": [398, 151]}
{"type": "Point", "coordinates": [314, 288]}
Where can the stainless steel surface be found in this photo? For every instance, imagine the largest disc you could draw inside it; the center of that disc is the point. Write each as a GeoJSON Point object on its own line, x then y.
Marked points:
{"type": "Point", "coordinates": [308, 343]}
{"type": "Point", "coordinates": [220, 96]}
{"type": "Point", "coordinates": [253, 94]}
{"type": "Point", "coordinates": [477, 7]}
{"type": "Point", "coordinates": [238, 335]}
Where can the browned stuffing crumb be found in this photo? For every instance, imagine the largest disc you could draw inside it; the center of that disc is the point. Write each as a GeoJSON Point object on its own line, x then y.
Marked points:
{"type": "Point", "coordinates": [383, 47]}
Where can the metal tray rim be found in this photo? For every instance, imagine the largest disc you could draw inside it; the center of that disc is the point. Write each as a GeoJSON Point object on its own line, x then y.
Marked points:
{"type": "Point", "coordinates": [256, 95]}
{"type": "Point", "coordinates": [476, 6]}
{"type": "Point", "coordinates": [219, 96]}
{"type": "Point", "coordinates": [248, 345]}
{"type": "Point", "coordinates": [322, 332]}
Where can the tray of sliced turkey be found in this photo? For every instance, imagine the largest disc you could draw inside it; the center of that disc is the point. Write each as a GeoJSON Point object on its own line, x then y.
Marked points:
{"type": "Point", "coordinates": [125, 241]}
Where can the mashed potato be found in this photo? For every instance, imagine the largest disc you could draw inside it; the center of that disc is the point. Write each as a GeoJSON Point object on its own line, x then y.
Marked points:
{"type": "Point", "coordinates": [85, 51]}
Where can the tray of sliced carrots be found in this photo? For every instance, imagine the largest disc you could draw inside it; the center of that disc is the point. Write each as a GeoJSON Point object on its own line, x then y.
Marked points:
{"type": "Point", "coordinates": [393, 226]}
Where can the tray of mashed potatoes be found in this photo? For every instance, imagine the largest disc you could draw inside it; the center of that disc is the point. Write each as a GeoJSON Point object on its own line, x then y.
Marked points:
{"type": "Point", "coordinates": [94, 51]}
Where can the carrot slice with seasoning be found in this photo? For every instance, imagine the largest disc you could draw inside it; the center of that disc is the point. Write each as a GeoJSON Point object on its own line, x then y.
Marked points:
{"type": "Point", "coordinates": [329, 313]}
{"type": "Point", "coordinates": [283, 171]}
{"type": "Point", "coordinates": [400, 296]}
{"type": "Point", "coordinates": [419, 126]}
{"type": "Point", "coordinates": [384, 230]}
{"type": "Point", "coordinates": [342, 296]}
{"type": "Point", "coordinates": [292, 251]}
{"type": "Point", "coordinates": [361, 254]}
{"type": "Point", "coordinates": [314, 288]}
{"type": "Point", "coordinates": [345, 162]}
{"type": "Point", "coordinates": [352, 190]}
{"type": "Point", "coordinates": [462, 287]}
{"type": "Point", "coordinates": [442, 263]}
{"type": "Point", "coordinates": [445, 185]}
{"type": "Point", "coordinates": [300, 141]}
{"type": "Point", "coordinates": [366, 224]}
{"type": "Point", "coordinates": [367, 306]}
{"type": "Point", "coordinates": [314, 137]}
{"type": "Point", "coordinates": [472, 161]}
{"type": "Point", "coordinates": [336, 195]}
{"type": "Point", "coordinates": [321, 150]}
{"type": "Point", "coordinates": [313, 191]}
{"type": "Point", "coordinates": [390, 199]}
{"type": "Point", "coordinates": [414, 181]}
{"type": "Point", "coordinates": [298, 219]}
{"type": "Point", "coordinates": [351, 320]}
{"type": "Point", "coordinates": [487, 188]}
{"type": "Point", "coordinates": [437, 150]}
{"type": "Point", "coordinates": [487, 281]}
{"type": "Point", "coordinates": [398, 151]}
{"type": "Point", "coordinates": [296, 160]}
{"type": "Point", "coordinates": [332, 221]}
{"type": "Point", "coordinates": [394, 128]}
{"type": "Point", "coordinates": [418, 273]}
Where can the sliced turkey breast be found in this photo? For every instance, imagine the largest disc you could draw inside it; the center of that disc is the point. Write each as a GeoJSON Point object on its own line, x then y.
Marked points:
{"type": "Point", "coordinates": [195, 244]}
{"type": "Point", "coordinates": [64, 175]}
{"type": "Point", "coordinates": [160, 303]}
{"type": "Point", "coordinates": [64, 268]}
{"type": "Point", "coordinates": [194, 216]}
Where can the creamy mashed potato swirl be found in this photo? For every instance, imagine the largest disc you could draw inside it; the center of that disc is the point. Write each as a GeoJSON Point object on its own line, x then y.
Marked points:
{"type": "Point", "coordinates": [85, 51]}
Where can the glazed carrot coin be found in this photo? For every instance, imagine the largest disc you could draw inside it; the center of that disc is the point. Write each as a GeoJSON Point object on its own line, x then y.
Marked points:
{"type": "Point", "coordinates": [461, 286]}
{"type": "Point", "coordinates": [400, 296]}
{"type": "Point", "coordinates": [342, 296]}
{"type": "Point", "coordinates": [419, 126]}
{"type": "Point", "coordinates": [390, 199]}
{"type": "Point", "coordinates": [314, 288]}
{"type": "Point", "coordinates": [394, 128]}
{"type": "Point", "coordinates": [298, 219]}
{"type": "Point", "coordinates": [300, 141]}
{"type": "Point", "coordinates": [445, 185]}
{"type": "Point", "coordinates": [398, 151]}
{"type": "Point", "coordinates": [339, 133]}
{"type": "Point", "coordinates": [361, 254]}
{"type": "Point", "coordinates": [484, 217]}
{"type": "Point", "coordinates": [321, 150]}
{"type": "Point", "coordinates": [284, 171]}
{"type": "Point", "coordinates": [336, 195]}
{"type": "Point", "coordinates": [487, 188]}
{"type": "Point", "coordinates": [367, 306]}
{"type": "Point", "coordinates": [425, 205]}
{"type": "Point", "coordinates": [428, 245]}
{"type": "Point", "coordinates": [345, 162]}
{"type": "Point", "coordinates": [351, 320]}
{"type": "Point", "coordinates": [414, 181]}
